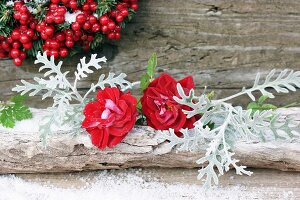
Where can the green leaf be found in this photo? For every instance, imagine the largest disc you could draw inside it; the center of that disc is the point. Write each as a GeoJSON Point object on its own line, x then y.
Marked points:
{"type": "Point", "coordinates": [260, 106]}
{"type": "Point", "coordinates": [252, 105]}
{"type": "Point", "coordinates": [152, 63]}
{"type": "Point", "coordinates": [13, 111]}
{"type": "Point", "coordinates": [262, 99]}
{"type": "Point", "coordinates": [145, 80]}
{"type": "Point", "coordinates": [22, 112]}
{"type": "Point", "coordinates": [18, 99]}
{"type": "Point", "coordinates": [97, 41]}
{"type": "Point", "coordinates": [139, 105]}
{"type": "Point", "coordinates": [268, 107]}
{"type": "Point", "coordinates": [151, 67]}
{"type": "Point", "coordinates": [6, 118]}
{"type": "Point", "coordinates": [211, 95]}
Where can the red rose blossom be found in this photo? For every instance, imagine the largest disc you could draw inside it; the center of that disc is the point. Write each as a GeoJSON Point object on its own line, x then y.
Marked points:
{"type": "Point", "coordinates": [109, 119]}
{"type": "Point", "coordinates": [161, 110]}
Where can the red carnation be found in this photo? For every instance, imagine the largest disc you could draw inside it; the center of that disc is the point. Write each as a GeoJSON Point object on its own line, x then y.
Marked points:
{"type": "Point", "coordinates": [109, 119]}
{"type": "Point", "coordinates": [161, 110]}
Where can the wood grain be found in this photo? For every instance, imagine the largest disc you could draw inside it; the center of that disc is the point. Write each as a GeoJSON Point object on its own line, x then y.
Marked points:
{"type": "Point", "coordinates": [23, 152]}
{"type": "Point", "coordinates": [223, 44]}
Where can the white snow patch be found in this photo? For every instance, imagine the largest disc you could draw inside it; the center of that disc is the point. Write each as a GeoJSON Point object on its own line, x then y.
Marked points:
{"type": "Point", "coordinates": [32, 125]}
{"type": "Point", "coordinates": [71, 17]}
{"type": "Point", "coordinates": [124, 186]}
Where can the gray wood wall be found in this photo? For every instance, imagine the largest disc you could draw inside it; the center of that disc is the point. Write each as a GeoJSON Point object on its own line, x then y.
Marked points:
{"type": "Point", "coordinates": [223, 44]}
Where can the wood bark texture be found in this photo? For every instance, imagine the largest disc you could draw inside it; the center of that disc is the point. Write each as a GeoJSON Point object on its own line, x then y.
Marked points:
{"type": "Point", "coordinates": [21, 151]}
{"type": "Point", "coordinates": [223, 44]}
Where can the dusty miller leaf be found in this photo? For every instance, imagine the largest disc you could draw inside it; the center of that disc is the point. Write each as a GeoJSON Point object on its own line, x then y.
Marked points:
{"type": "Point", "coordinates": [232, 124]}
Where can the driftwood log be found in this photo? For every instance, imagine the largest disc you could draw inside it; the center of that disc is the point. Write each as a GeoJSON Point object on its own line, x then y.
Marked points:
{"type": "Point", "coordinates": [222, 43]}
{"type": "Point", "coordinates": [21, 151]}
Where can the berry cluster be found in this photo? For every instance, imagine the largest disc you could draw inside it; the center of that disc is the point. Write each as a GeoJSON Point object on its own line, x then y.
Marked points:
{"type": "Point", "coordinates": [63, 24]}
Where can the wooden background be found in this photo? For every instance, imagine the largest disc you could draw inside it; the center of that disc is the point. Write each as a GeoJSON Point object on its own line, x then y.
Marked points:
{"type": "Point", "coordinates": [223, 44]}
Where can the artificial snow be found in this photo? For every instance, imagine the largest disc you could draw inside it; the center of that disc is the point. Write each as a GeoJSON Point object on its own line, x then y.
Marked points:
{"type": "Point", "coordinates": [122, 186]}
{"type": "Point", "coordinates": [32, 125]}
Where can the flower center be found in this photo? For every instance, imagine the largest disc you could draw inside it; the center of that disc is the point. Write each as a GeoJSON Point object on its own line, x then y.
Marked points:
{"type": "Point", "coordinates": [163, 104]}
{"type": "Point", "coordinates": [110, 107]}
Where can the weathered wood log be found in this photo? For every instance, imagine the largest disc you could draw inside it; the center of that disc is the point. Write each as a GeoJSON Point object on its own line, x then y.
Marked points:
{"type": "Point", "coordinates": [21, 151]}
{"type": "Point", "coordinates": [222, 43]}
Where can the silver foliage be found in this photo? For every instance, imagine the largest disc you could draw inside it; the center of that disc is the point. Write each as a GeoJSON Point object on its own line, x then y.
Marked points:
{"type": "Point", "coordinates": [232, 124]}
{"type": "Point", "coordinates": [68, 103]}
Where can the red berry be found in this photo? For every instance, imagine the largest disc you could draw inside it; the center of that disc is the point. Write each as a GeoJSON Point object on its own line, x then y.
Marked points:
{"type": "Point", "coordinates": [78, 33]}
{"type": "Point", "coordinates": [17, 5]}
{"type": "Point", "coordinates": [75, 26]}
{"type": "Point", "coordinates": [24, 17]}
{"type": "Point", "coordinates": [93, 19]}
{"type": "Point", "coordinates": [60, 36]}
{"type": "Point", "coordinates": [68, 32]}
{"type": "Point", "coordinates": [96, 27]}
{"type": "Point", "coordinates": [44, 36]}
{"type": "Point", "coordinates": [117, 36]}
{"type": "Point", "coordinates": [16, 45]}
{"type": "Point", "coordinates": [93, 6]}
{"type": "Point", "coordinates": [23, 9]}
{"type": "Point", "coordinates": [69, 43]}
{"type": "Point", "coordinates": [14, 53]}
{"type": "Point", "coordinates": [118, 28]}
{"type": "Point", "coordinates": [84, 37]}
{"type": "Point", "coordinates": [24, 38]}
{"type": "Point", "coordinates": [85, 7]}
{"type": "Point", "coordinates": [22, 55]}
{"type": "Point", "coordinates": [86, 26]}
{"type": "Point", "coordinates": [111, 35]}
{"type": "Point", "coordinates": [61, 10]}
{"type": "Point", "coordinates": [63, 52]}
{"type": "Point", "coordinates": [80, 18]}
{"type": "Point", "coordinates": [18, 61]}
{"type": "Point", "coordinates": [119, 18]}
{"type": "Point", "coordinates": [49, 19]}
{"type": "Point", "coordinates": [113, 13]}
{"type": "Point", "coordinates": [124, 13]}
{"type": "Point", "coordinates": [90, 38]}
{"type": "Point", "coordinates": [49, 30]}
{"type": "Point", "coordinates": [73, 4]}
{"type": "Point", "coordinates": [55, 1]}
{"type": "Point", "coordinates": [27, 45]}
{"type": "Point", "coordinates": [32, 25]}
{"type": "Point", "coordinates": [53, 6]}
{"type": "Point", "coordinates": [134, 7]}
{"type": "Point", "coordinates": [104, 29]}
{"type": "Point", "coordinates": [54, 53]}
{"type": "Point", "coordinates": [54, 44]}
{"type": "Point", "coordinates": [30, 33]}
{"type": "Point", "coordinates": [111, 25]}
{"type": "Point", "coordinates": [15, 34]}
{"type": "Point", "coordinates": [9, 39]}
{"type": "Point", "coordinates": [17, 15]}
{"type": "Point", "coordinates": [104, 20]}
{"type": "Point", "coordinates": [59, 19]}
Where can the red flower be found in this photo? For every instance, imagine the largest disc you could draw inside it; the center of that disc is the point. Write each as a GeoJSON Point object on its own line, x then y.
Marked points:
{"type": "Point", "coordinates": [161, 110]}
{"type": "Point", "coordinates": [109, 119]}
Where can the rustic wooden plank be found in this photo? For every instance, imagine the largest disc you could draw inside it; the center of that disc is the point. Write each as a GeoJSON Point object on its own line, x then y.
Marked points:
{"type": "Point", "coordinates": [21, 151]}
{"type": "Point", "coordinates": [222, 43]}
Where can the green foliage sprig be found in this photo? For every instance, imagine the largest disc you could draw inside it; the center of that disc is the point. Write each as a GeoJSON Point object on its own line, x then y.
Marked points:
{"type": "Point", "coordinates": [151, 68]}
{"type": "Point", "coordinates": [13, 110]}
